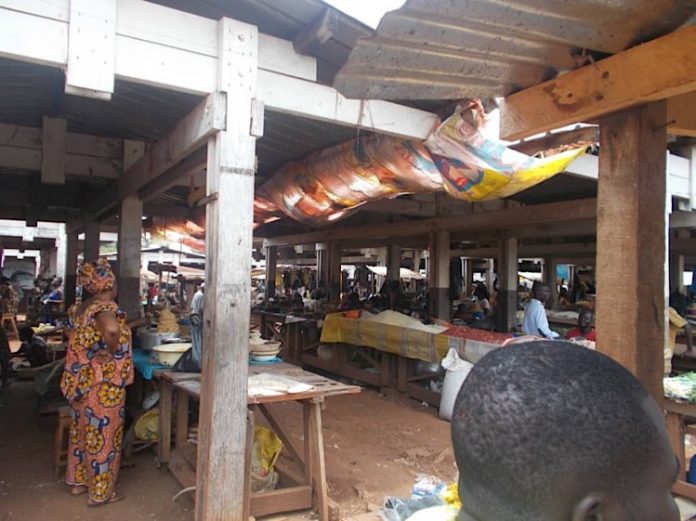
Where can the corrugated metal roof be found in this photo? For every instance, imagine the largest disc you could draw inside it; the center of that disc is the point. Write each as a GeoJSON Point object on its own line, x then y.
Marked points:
{"type": "Point", "coordinates": [286, 19]}
{"type": "Point", "coordinates": [449, 49]}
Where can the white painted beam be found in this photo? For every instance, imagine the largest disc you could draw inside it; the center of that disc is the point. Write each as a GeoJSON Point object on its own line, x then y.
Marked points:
{"type": "Point", "coordinates": [315, 101]}
{"type": "Point", "coordinates": [83, 155]}
{"type": "Point", "coordinates": [91, 49]}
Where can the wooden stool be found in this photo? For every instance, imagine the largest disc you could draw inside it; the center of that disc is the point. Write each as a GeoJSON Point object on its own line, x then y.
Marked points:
{"type": "Point", "coordinates": [12, 330]}
{"type": "Point", "coordinates": [60, 442]}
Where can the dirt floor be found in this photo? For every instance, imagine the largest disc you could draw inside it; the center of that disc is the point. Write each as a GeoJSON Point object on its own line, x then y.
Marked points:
{"type": "Point", "coordinates": [376, 445]}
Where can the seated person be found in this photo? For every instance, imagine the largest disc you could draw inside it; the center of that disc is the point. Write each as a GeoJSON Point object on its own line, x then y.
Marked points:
{"type": "Point", "coordinates": [33, 348]}
{"type": "Point", "coordinates": [483, 299]}
{"type": "Point", "coordinates": [535, 320]}
{"type": "Point", "coordinates": [350, 302]}
{"type": "Point", "coordinates": [584, 330]}
{"type": "Point", "coordinates": [551, 431]}
{"type": "Point", "coordinates": [676, 324]}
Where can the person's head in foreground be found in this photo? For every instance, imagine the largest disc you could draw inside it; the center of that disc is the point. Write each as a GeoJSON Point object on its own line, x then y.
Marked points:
{"type": "Point", "coordinates": [541, 292]}
{"type": "Point", "coordinates": [549, 431]}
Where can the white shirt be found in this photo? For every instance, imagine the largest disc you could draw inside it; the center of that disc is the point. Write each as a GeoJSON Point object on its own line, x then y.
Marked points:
{"type": "Point", "coordinates": [197, 302]}
{"type": "Point", "coordinates": [535, 320]}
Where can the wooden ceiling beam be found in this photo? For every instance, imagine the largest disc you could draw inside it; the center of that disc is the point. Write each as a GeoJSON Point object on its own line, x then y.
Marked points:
{"type": "Point", "coordinates": [681, 115]}
{"type": "Point", "coordinates": [660, 69]}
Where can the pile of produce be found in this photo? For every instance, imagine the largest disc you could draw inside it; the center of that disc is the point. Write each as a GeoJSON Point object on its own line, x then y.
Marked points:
{"type": "Point", "coordinates": [682, 387]}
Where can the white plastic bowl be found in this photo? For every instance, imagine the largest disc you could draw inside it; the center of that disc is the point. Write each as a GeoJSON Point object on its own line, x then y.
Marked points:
{"type": "Point", "coordinates": [169, 354]}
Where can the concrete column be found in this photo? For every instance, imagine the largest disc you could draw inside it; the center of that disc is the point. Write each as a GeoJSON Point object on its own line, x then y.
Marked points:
{"type": "Point", "coordinates": [271, 270]}
{"type": "Point", "coordinates": [416, 261]}
{"type": "Point", "coordinates": [490, 274]}
{"type": "Point", "coordinates": [508, 282]}
{"type": "Point", "coordinates": [468, 276]}
{"type": "Point", "coordinates": [70, 279]}
{"type": "Point", "coordinates": [439, 275]}
{"type": "Point", "coordinates": [334, 281]}
{"type": "Point", "coordinates": [631, 242]}
{"type": "Point", "coordinates": [676, 272]}
{"type": "Point", "coordinates": [130, 230]}
{"type": "Point", "coordinates": [549, 276]}
{"type": "Point", "coordinates": [393, 263]}
{"type": "Point", "coordinates": [91, 245]}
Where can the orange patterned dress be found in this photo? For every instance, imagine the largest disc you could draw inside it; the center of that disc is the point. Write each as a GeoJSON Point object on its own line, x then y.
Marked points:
{"type": "Point", "coordinates": [95, 386]}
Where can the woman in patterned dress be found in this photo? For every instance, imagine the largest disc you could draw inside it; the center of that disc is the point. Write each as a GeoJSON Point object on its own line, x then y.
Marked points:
{"type": "Point", "coordinates": [98, 367]}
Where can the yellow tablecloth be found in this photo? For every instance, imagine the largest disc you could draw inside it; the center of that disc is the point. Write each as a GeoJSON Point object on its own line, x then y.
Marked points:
{"type": "Point", "coordinates": [411, 343]}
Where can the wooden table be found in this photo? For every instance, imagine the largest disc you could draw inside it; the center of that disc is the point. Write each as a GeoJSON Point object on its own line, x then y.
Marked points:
{"type": "Point", "coordinates": [300, 487]}
{"type": "Point", "coordinates": [676, 414]}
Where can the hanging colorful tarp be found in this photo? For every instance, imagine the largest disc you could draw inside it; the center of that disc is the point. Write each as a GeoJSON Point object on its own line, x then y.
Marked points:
{"type": "Point", "coordinates": [457, 157]}
{"type": "Point", "coordinates": [328, 185]}
{"type": "Point", "coordinates": [477, 168]}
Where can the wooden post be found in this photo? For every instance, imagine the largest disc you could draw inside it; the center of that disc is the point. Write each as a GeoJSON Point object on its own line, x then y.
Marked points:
{"type": "Point", "coordinates": [676, 272]}
{"type": "Point", "coordinates": [70, 268]}
{"type": "Point", "coordinates": [130, 230]}
{"type": "Point", "coordinates": [91, 245]}
{"type": "Point", "coordinates": [631, 226]}
{"type": "Point", "coordinates": [53, 151]}
{"type": "Point", "coordinates": [550, 279]}
{"type": "Point", "coordinates": [490, 274]}
{"type": "Point", "coordinates": [334, 280]}
{"type": "Point", "coordinates": [229, 220]}
{"type": "Point", "coordinates": [393, 263]}
{"type": "Point", "coordinates": [507, 281]}
{"type": "Point", "coordinates": [271, 270]}
{"type": "Point", "coordinates": [323, 265]}
{"type": "Point", "coordinates": [468, 271]}
{"type": "Point", "coordinates": [439, 274]}
{"type": "Point", "coordinates": [416, 261]}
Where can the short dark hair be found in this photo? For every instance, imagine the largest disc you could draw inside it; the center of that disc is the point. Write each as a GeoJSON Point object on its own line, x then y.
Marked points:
{"type": "Point", "coordinates": [26, 333]}
{"type": "Point", "coordinates": [531, 416]}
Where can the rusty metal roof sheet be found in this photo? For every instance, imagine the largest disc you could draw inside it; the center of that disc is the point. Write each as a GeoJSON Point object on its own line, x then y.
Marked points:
{"type": "Point", "coordinates": [449, 49]}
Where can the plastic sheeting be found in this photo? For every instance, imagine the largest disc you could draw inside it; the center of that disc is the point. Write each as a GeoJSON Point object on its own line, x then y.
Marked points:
{"type": "Point", "coordinates": [477, 168]}
{"type": "Point", "coordinates": [457, 157]}
{"type": "Point", "coordinates": [330, 184]}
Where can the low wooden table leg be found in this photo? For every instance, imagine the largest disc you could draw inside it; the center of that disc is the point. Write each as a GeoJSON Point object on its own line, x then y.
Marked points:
{"type": "Point", "coordinates": [246, 513]}
{"type": "Point", "coordinates": [164, 445]}
{"type": "Point", "coordinates": [182, 409]}
{"type": "Point", "coordinates": [402, 374]}
{"type": "Point", "coordinates": [314, 457]}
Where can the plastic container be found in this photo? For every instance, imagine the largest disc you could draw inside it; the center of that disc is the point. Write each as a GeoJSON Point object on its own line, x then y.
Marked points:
{"type": "Point", "coordinates": [457, 371]}
{"type": "Point", "coordinates": [169, 354]}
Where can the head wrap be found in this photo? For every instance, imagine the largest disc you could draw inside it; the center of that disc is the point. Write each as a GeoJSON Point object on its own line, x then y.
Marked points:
{"type": "Point", "coordinates": [96, 278]}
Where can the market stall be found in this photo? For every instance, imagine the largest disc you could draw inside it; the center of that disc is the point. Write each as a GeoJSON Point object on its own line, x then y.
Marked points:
{"type": "Point", "coordinates": [392, 349]}
{"type": "Point", "coordinates": [268, 385]}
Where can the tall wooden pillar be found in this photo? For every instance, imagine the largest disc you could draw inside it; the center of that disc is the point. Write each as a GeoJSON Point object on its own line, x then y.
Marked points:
{"type": "Point", "coordinates": [91, 245]}
{"type": "Point", "coordinates": [550, 279]}
{"type": "Point", "coordinates": [271, 270]}
{"type": "Point", "coordinates": [468, 273]}
{"type": "Point", "coordinates": [229, 221]}
{"type": "Point", "coordinates": [334, 275]}
{"type": "Point", "coordinates": [490, 274]}
{"type": "Point", "coordinates": [439, 274]}
{"type": "Point", "coordinates": [70, 281]}
{"type": "Point", "coordinates": [676, 272]}
{"type": "Point", "coordinates": [393, 263]}
{"type": "Point", "coordinates": [631, 229]}
{"type": "Point", "coordinates": [323, 264]}
{"type": "Point", "coordinates": [507, 282]}
{"type": "Point", "coordinates": [130, 231]}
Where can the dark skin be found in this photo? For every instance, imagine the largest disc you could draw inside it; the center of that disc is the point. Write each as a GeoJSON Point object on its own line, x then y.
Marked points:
{"type": "Point", "coordinates": [585, 322]}
{"type": "Point", "coordinates": [542, 293]}
{"type": "Point", "coordinates": [579, 498]}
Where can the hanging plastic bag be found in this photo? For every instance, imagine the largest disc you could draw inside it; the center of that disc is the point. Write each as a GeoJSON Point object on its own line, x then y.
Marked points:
{"type": "Point", "coordinates": [147, 426]}
{"type": "Point", "coordinates": [457, 371]}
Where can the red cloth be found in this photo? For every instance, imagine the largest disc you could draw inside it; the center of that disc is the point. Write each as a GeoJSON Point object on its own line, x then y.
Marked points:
{"type": "Point", "coordinates": [575, 333]}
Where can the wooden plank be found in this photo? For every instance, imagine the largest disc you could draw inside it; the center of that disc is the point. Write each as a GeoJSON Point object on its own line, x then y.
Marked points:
{"type": "Point", "coordinates": [630, 222]}
{"type": "Point", "coordinates": [623, 80]}
{"type": "Point", "coordinates": [53, 151]}
{"type": "Point", "coordinates": [92, 49]}
{"type": "Point", "coordinates": [312, 100]}
{"type": "Point", "coordinates": [318, 32]}
{"type": "Point", "coordinates": [230, 175]}
{"type": "Point", "coordinates": [271, 253]}
{"type": "Point", "coordinates": [189, 134]}
{"type": "Point", "coordinates": [248, 457]}
{"type": "Point", "coordinates": [182, 410]}
{"type": "Point", "coordinates": [283, 500]}
{"type": "Point", "coordinates": [182, 470]}
{"type": "Point", "coordinates": [33, 38]}
{"type": "Point", "coordinates": [192, 165]}
{"type": "Point", "coordinates": [523, 216]}
{"type": "Point", "coordinates": [347, 371]}
{"type": "Point", "coordinates": [681, 115]}
{"type": "Point", "coordinates": [164, 444]}
{"type": "Point", "coordinates": [315, 457]}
